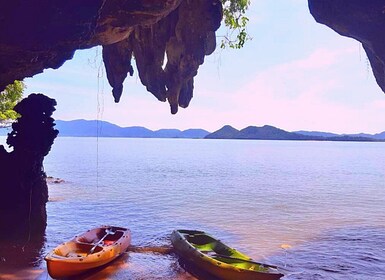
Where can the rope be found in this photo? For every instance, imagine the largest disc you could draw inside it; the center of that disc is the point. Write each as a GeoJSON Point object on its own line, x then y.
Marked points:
{"type": "Point", "coordinates": [164, 250]}
{"type": "Point", "coordinates": [99, 111]}
{"type": "Point", "coordinates": [29, 220]}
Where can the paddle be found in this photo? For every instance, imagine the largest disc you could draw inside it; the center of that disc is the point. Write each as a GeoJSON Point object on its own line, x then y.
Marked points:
{"type": "Point", "coordinates": [108, 232]}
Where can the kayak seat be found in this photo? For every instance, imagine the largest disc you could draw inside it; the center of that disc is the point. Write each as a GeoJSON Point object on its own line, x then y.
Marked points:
{"type": "Point", "coordinates": [82, 249]}
{"type": "Point", "coordinates": [75, 255]}
{"type": "Point", "coordinates": [108, 242]}
{"type": "Point", "coordinates": [113, 237]}
{"type": "Point", "coordinates": [208, 247]}
{"type": "Point", "coordinates": [76, 250]}
{"type": "Point", "coordinates": [85, 240]}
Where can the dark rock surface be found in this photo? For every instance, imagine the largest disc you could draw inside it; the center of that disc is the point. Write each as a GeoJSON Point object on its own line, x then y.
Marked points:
{"type": "Point", "coordinates": [23, 187]}
{"type": "Point", "coordinates": [53, 180]}
{"type": "Point", "coordinates": [40, 34]}
{"type": "Point", "coordinates": [358, 19]}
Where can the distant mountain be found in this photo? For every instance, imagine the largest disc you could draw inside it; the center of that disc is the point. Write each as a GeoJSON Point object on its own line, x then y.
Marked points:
{"type": "Point", "coordinates": [85, 128]}
{"type": "Point", "coordinates": [226, 132]}
{"type": "Point", "coordinates": [378, 136]}
{"type": "Point", "coordinates": [268, 132]}
{"type": "Point", "coordinates": [316, 133]}
{"type": "Point", "coordinates": [167, 133]}
{"type": "Point", "coordinates": [193, 133]}
{"type": "Point", "coordinates": [93, 128]}
{"type": "Point", "coordinates": [351, 138]}
{"type": "Point", "coordinates": [176, 133]}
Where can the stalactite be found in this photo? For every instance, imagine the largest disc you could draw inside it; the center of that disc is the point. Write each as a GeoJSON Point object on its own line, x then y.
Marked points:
{"type": "Point", "coordinates": [185, 36]}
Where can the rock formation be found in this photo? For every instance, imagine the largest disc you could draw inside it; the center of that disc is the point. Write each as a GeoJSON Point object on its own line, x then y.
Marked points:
{"type": "Point", "coordinates": [40, 34]}
{"type": "Point", "coordinates": [23, 186]}
{"type": "Point", "coordinates": [361, 20]}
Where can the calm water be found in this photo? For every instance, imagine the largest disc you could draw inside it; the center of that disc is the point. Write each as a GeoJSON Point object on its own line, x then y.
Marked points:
{"type": "Point", "coordinates": [324, 201]}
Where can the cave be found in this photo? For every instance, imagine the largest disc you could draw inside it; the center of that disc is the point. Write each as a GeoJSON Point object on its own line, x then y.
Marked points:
{"type": "Point", "coordinates": [37, 35]}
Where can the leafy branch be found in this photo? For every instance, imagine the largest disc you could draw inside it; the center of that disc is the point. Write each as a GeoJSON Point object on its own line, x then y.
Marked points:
{"type": "Point", "coordinates": [12, 94]}
{"type": "Point", "coordinates": [234, 18]}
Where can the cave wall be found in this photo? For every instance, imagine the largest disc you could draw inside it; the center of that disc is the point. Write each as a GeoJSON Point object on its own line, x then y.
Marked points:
{"type": "Point", "coordinates": [40, 34]}
{"type": "Point", "coordinates": [360, 20]}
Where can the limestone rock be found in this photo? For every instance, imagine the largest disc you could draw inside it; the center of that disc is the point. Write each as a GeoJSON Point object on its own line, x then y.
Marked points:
{"type": "Point", "coordinates": [22, 183]}
{"type": "Point", "coordinates": [361, 20]}
{"type": "Point", "coordinates": [40, 34]}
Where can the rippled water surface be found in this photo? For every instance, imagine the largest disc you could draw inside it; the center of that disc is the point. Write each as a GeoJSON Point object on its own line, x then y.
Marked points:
{"type": "Point", "coordinates": [314, 208]}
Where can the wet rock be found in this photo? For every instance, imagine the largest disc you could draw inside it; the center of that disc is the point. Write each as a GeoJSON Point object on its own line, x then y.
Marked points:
{"type": "Point", "coordinates": [53, 180]}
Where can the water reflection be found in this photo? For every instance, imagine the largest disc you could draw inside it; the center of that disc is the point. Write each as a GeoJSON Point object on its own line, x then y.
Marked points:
{"type": "Point", "coordinates": [106, 271]}
{"type": "Point", "coordinates": [21, 253]}
{"type": "Point", "coordinates": [195, 271]}
{"type": "Point", "coordinates": [21, 259]}
{"type": "Point", "coordinates": [343, 253]}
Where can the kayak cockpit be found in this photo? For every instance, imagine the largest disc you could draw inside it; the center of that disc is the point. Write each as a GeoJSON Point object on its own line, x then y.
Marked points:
{"type": "Point", "coordinates": [220, 252]}
{"type": "Point", "coordinates": [213, 247]}
{"type": "Point", "coordinates": [94, 237]}
{"type": "Point", "coordinates": [75, 250]}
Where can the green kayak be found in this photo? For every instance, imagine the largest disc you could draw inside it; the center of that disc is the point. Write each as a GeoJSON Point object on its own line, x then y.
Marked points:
{"type": "Point", "coordinates": [214, 257]}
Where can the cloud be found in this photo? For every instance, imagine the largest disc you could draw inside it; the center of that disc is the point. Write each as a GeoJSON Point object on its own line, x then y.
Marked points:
{"type": "Point", "coordinates": [309, 77]}
{"type": "Point", "coordinates": [319, 59]}
{"type": "Point", "coordinates": [314, 92]}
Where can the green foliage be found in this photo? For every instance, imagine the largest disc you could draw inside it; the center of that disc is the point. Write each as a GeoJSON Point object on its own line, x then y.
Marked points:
{"type": "Point", "coordinates": [235, 19]}
{"type": "Point", "coordinates": [12, 94]}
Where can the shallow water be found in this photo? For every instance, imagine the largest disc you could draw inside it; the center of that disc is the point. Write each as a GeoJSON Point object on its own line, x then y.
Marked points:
{"type": "Point", "coordinates": [321, 201]}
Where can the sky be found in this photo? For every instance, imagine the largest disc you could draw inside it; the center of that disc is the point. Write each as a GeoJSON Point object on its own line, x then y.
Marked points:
{"type": "Point", "coordinates": [294, 74]}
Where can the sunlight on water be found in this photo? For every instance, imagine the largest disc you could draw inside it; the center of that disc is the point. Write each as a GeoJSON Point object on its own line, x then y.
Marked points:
{"type": "Point", "coordinates": [315, 208]}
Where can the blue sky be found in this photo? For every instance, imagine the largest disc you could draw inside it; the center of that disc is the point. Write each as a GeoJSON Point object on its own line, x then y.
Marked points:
{"type": "Point", "coordinates": [295, 74]}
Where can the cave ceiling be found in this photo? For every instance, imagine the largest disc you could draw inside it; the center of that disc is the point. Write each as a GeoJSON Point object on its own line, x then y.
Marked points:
{"type": "Point", "coordinates": [41, 34]}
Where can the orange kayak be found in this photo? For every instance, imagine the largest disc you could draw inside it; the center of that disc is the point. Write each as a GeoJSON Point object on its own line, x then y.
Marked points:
{"type": "Point", "coordinates": [88, 250]}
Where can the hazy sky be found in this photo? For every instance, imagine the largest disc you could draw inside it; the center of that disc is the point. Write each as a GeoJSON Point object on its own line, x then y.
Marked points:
{"type": "Point", "coordinates": [295, 74]}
